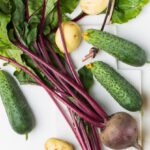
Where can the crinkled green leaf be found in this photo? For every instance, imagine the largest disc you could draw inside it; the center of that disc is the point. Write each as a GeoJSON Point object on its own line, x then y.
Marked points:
{"type": "Point", "coordinates": [53, 19]}
{"type": "Point", "coordinates": [35, 5]}
{"type": "Point", "coordinates": [68, 6]}
{"type": "Point", "coordinates": [6, 47]}
{"type": "Point", "coordinates": [127, 9]}
{"type": "Point", "coordinates": [18, 14]}
{"type": "Point", "coordinates": [23, 77]}
{"type": "Point", "coordinates": [5, 6]}
{"type": "Point", "coordinates": [86, 77]}
{"type": "Point", "coordinates": [29, 62]}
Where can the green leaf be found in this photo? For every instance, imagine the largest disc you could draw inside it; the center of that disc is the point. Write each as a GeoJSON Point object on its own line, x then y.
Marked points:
{"type": "Point", "coordinates": [5, 6]}
{"type": "Point", "coordinates": [127, 9]}
{"type": "Point", "coordinates": [29, 62]}
{"type": "Point", "coordinates": [86, 77]}
{"type": "Point", "coordinates": [68, 6]}
{"type": "Point", "coordinates": [23, 77]}
{"type": "Point", "coordinates": [52, 19]}
{"type": "Point", "coordinates": [18, 14]}
{"type": "Point", "coordinates": [35, 5]}
{"type": "Point", "coordinates": [6, 47]}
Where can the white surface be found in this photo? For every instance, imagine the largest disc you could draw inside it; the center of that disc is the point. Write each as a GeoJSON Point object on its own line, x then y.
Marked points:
{"type": "Point", "coordinates": [50, 123]}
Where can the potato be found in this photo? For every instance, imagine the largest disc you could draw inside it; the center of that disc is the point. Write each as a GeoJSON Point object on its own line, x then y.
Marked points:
{"type": "Point", "coordinates": [93, 7]}
{"type": "Point", "coordinates": [57, 144]}
{"type": "Point", "coordinates": [72, 34]}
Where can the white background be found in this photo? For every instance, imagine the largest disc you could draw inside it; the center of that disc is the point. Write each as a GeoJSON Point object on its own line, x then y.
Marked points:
{"type": "Point", "coordinates": [49, 122]}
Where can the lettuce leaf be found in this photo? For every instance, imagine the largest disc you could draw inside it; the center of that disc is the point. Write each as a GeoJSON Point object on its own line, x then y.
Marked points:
{"type": "Point", "coordinates": [127, 9]}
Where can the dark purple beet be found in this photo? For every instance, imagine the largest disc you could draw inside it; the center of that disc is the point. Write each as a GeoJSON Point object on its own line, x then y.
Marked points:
{"type": "Point", "coordinates": [121, 132]}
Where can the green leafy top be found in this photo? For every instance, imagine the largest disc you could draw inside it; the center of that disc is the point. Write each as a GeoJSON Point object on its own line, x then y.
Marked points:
{"type": "Point", "coordinates": [86, 77]}
{"type": "Point", "coordinates": [127, 9]}
{"type": "Point", "coordinates": [5, 6]}
{"type": "Point", "coordinates": [68, 6]}
{"type": "Point", "coordinates": [6, 47]}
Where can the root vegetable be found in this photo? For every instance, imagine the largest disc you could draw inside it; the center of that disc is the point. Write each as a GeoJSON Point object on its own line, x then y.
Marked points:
{"type": "Point", "coordinates": [57, 144]}
{"type": "Point", "coordinates": [72, 35]}
{"type": "Point", "coordinates": [93, 7]}
{"type": "Point", "coordinates": [121, 132]}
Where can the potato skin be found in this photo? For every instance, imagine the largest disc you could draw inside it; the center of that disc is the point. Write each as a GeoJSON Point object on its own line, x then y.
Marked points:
{"type": "Point", "coordinates": [93, 7]}
{"type": "Point", "coordinates": [72, 34]}
{"type": "Point", "coordinates": [120, 132]}
{"type": "Point", "coordinates": [57, 144]}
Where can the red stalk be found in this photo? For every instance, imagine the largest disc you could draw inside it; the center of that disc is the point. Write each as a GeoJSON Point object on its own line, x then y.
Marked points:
{"type": "Point", "coordinates": [86, 139]}
{"type": "Point", "coordinates": [26, 10]}
{"type": "Point", "coordinates": [68, 59]}
{"type": "Point", "coordinates": [79, 17]}
{"type": "Point", "coordinates": [67, 79]}
{"type": "Point", "coordinates": [80, 113]}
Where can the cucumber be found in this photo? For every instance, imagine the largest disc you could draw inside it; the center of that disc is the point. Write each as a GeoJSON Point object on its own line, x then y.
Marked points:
{"type": "Point", "coordinates": [120, 48]}
{"type": "Point", "coordinates": [119, 88]}
{"type": "Point", "coordinates": [18, 111]}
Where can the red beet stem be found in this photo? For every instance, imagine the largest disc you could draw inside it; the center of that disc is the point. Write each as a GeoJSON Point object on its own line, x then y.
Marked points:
{"type": "Point", "coordinates": [42, 22]}
{"type": "Point", "coordinates": [80, 103]}
{"type": "Point", "coordinates": [68, 59]}
{"type": "Point", "coordinates": [96, 137]}
{"type": "Point", "coordinates": [80, 113]}
{"type": "Point", "coordinates": [26, 10]}
{"type": "Point", "coordinates": [61, 66]}
{"type": "Point", "coordinates": [84, 134]}
{"type": "Point", "coordinates": [43, 49]}
{"type": "Point", "coordinates": [79, 17]}
{"type": "Point", "coordinates": [67, 79]}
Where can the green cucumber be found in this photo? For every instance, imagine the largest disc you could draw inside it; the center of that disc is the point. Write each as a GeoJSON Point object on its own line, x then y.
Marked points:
{"type": "Point", "coordinates": [120, 48]}
{"type": "Point", "coordinates": [18, 111]}
{"type": "Point", "coordinates": [119, 88]}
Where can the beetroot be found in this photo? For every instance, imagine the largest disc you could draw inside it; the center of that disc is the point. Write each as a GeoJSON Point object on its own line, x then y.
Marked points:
{"type": "Point", "coordinates": [121, 132]}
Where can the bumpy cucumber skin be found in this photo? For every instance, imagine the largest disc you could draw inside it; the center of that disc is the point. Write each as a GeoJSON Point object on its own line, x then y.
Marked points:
{"type": "Point", "coordinates": [18, 111]}
{"type": "Point", "coordinates": [119, 88]}
{"type": "Point", "coordinates": [122, 49]}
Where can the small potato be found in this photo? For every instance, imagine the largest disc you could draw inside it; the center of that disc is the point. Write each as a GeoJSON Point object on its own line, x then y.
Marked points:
{"type": "Point", "coordinates": [72, 34]}
{"type": "Point", "coordinates": [57, 144]}
{"type": "Point", "coordinates": [93, 7]}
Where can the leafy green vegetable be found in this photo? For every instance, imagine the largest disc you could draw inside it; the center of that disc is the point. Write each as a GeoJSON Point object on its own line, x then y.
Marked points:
{"type": "Point", "coordinates": [6, 47]}
{"type": "Point", "coordinates": [86, 77]}
{"type": "Point", "coordinates": [68, 6]}
{"type": "Point", "coordinates": [23, 77]}
{"type": "Point", "coordinates": [54, 18]}
{"type": "Point", "coordinates": [35, 5]}
{"type": "Point", "coordinates": [29, 62]}
{"type": "Point", "coordinates": [5, 6]}
{"type": "Point", "coordinates": [127, 9]}
{"type": "Point", "coordinates": [18, 15]}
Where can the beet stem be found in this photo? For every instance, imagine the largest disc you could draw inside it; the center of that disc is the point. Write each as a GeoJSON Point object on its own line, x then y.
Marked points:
{"type": "Point", "coordinates": [96, 137]}
{"type": "Point", "coordinates": [137, 146]}
{"type": "Point", "coordinates": [61, 66]}
{"type": "Point", "coordinates": [86, 139]}
{"type": "Point", "coordinates": [76, 126]}
{"type": "Point", "coordinates": [67, 79]}
{"type": "Point", "coordinates": [79, 17]}
{"type": "Point", "coordinates": [80, 102]}
{"type": "Point", "coordinates": [80, 113]}
{"type": "Point", "coordinates": [26, 10]}
{"type": "Point", "coordinates": [68, 59]}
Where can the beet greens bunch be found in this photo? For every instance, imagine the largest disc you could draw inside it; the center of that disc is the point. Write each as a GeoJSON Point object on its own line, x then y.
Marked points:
{"type": "Point", "coordinates": [85, 114]}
